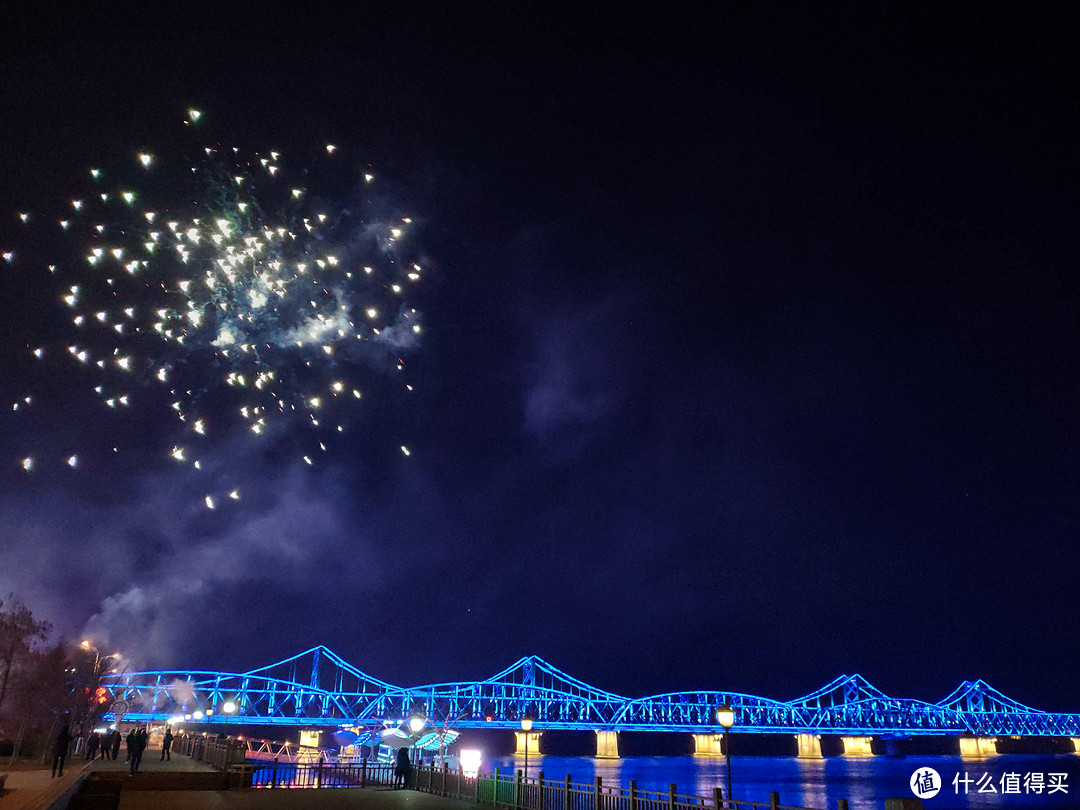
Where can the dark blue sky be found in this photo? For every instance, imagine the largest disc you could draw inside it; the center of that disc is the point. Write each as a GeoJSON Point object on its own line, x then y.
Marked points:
{"type": "Point", "coordinates": [750, 351]}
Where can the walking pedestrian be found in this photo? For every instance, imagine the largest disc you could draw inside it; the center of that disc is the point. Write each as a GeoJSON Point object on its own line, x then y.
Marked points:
{"type": "Point", "coordinates": [166, 745]}
{"type": "Point", "coordinates": [60, 750]}
{"type": "Point", "coordinates": [136, 746]}
{"type": "Point", "coordinates": [116, 740]}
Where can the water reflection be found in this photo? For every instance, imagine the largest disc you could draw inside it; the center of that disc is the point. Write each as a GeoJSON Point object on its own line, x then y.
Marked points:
{"type": "Point", "coordinates": [865, 783]}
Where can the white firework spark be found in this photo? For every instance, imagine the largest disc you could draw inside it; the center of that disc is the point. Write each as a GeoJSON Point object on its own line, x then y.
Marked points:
{"type": "Point", "coordinates": [231, 288]}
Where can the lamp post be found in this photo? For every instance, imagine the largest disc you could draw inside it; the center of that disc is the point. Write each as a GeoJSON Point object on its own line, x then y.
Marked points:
{"type": "Point", "coordinates": [96, 690]}
{"type": "Point", "coordinates": [725, 716]}
{"type": "Point", "coordinates": [228, 707]}
{"type": "Point", "coordinates": [416, 724]}
{"type": "Point", "coordinates": [86, 645]}
{"type": "Point", "coordinates": [526, 726]}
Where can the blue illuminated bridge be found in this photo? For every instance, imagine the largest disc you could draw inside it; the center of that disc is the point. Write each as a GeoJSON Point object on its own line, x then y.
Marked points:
{"type": "Point", "coordinates": [318, 688]}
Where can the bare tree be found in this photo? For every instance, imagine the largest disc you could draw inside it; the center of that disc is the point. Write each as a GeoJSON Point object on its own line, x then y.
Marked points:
{"type": "Point", "coordinates": [20, 635]}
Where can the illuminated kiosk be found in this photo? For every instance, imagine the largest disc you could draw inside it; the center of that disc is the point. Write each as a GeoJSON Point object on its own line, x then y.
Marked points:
{"type": "Point", "coordinates": [809, 746]}
{"type": "Point", "coordinates": [309, 746]}
{"type": "Point", "coordinates": [607, 744]}
{"type": "Point", "coordinates": [708, 745]}
{"type": "Point", "coordinates": [972, 747]}
{"type": "Point", "coordinates": [857, 746]}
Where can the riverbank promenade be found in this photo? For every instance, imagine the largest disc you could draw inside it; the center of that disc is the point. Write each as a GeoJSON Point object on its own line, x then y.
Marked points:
{"type": "Point", "coordinates": [208, 773]}
{"type": "Point", "coordinates": [38, 789]}
{"type": "Point", "coordinates": [378, 798]}
{"type": "Point", "coordinates": [148, 790]}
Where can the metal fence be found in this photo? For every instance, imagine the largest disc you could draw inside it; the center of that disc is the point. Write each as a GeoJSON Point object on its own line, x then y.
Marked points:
{"type": "Point", "coordinates": [498, 789]}
{"type": "Point", "coordinates": [501, 790]}
{"type": "Point", "coordinates": [219, 754]}
{"type": "Point", "coordinates": [541, 793]}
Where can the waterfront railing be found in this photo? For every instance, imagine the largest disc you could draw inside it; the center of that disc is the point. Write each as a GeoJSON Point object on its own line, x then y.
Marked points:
{"type": "Point", "coordinates": [539, 793]}
{"type": "Point", "coordinates": [501, 790]}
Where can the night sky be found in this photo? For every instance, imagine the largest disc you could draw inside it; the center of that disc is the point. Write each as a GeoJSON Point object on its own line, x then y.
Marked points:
{"type": "Point", "coordinates": [750, 352]}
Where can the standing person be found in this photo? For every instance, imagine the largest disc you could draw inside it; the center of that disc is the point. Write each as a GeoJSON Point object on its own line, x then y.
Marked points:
{"type": "Point", "coordinates": [116, 738]}
{"type": "Point", "coordinates": [92, 743]}
{"type": "Point", "coordinates": [130, 746]}
{"type": "Point", "coordinates": [60, 750]}
{"type": "Point", "coordinates": [166, 745]}
{"type": "Point", "coordinates": [401, 770]}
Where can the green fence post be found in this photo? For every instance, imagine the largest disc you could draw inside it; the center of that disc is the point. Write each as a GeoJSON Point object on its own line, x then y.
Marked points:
{"type": "Point", "coordinates": [671, 796]}
{"type": "Point", "coordinates": [774, 801]}
{"type": "Point", "coordinates": [599, 794]}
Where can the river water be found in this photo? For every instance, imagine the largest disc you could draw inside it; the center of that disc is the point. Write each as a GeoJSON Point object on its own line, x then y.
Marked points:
{"type": "Point", "coordinates": [865, 783]}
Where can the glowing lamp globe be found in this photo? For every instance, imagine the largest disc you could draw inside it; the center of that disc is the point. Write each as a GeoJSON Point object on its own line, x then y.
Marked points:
{"type": "Point", "coordinates": [415, 724]}
{"type": "Point", "coordinates": [526, 724]}
{"type": "Point", "coordinates": [725, 716]}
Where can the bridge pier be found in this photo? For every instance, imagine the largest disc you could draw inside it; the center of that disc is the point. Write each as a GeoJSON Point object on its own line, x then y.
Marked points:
{"type": "Point", "coordinates": [809, 746]}
{"type": "Point", "coordinates": [530, 739]}
{"type": "Point", "coordinates": [1076, 744]}
{"type": "Point", "coordinates": [607, 744]}
{"type": "Point", "coordinates": [708, 745]}
{"type": "Point", "coordinates": [857, 746]}
{"type": "Point", "coordinates": [972, 747]}
{"type": "Point", "coordinates": [309, 746]}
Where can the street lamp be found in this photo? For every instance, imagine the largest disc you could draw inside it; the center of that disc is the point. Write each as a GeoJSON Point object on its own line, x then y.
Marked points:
{"type": "Point", "coordinates": [86, 645]}
{"type": "Point", "coordinates": [725, 716]}
{"type": "Point", "coordinates": [229, 707]}
{"type": "Point", "coordinates": [416, 724]}
{"type": "Point", "coordinates": [526, 726]}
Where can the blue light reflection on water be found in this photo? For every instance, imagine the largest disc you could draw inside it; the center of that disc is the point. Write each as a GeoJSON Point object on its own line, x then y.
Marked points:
{"type": "Point", "coordinates": [865, 783]}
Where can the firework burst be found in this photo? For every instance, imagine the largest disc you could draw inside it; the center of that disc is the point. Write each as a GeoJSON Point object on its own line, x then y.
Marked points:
{"type": "Point", "coordinates": [228, 290]}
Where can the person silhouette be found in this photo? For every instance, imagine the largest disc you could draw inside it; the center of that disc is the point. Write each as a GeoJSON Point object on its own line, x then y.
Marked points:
{"type": "Point", "coordinates": [402, 768]}
{"type": "Point", "coordinates": [60, 750]}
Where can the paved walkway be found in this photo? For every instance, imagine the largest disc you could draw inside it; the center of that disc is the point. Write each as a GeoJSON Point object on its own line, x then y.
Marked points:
{"type": "Point", "coordinates": [380, 798]}
{"type": "Point", "coordinates": [152, 763]}
{"type": "Point", "coordinates": [36, 790]}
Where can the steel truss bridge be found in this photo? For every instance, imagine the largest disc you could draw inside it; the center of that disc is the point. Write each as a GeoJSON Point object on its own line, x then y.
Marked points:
{"type": "Point", "coordinates": [318, 688]}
